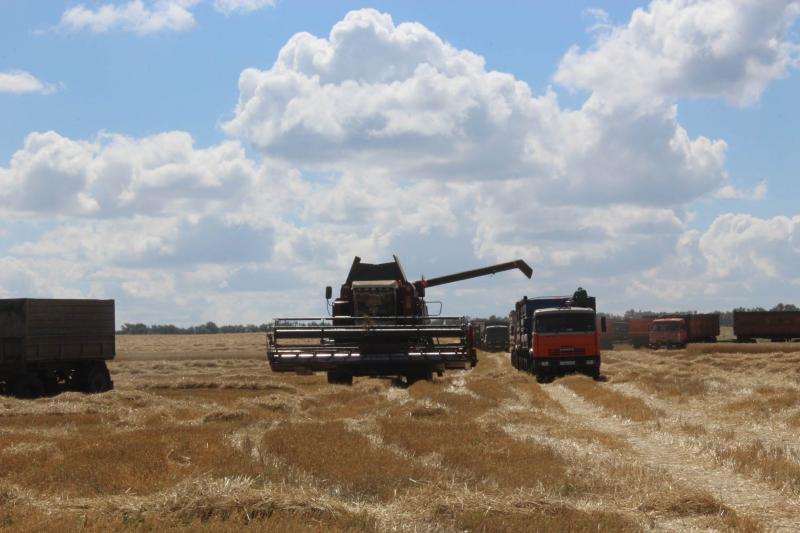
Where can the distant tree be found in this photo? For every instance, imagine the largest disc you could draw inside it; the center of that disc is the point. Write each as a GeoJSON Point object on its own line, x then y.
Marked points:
{"type": "Point", "coordinates": [785, 307]}
{"type": "Point", "coordinates": [134, 329]}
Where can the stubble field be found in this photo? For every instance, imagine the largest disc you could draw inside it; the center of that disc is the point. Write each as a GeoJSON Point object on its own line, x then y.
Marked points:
{"type": "Point", "coordinates": [199, 435]}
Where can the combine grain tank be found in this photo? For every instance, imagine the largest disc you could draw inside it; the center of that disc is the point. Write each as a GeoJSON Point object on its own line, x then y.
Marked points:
{"type": "Point", "coordinates": [676, 331]}
{"type": "Point", "coordinates": [380, 326]}
{"type": "Point", "coordinates": [556, 334]}
{"type": "Point", "coordinates": [773, 325]}
{"type": "Point", "coordinates": [50, 345]}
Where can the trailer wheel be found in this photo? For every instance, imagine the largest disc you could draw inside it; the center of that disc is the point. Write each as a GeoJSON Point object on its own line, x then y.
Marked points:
{"type": "Point", "coordinates": [50, 383]}
{"type": "Point", "coordinates": [96, 379]}
{"type": "Point", "coordinates": [340, 378]}
{"type": "Point", "coordinates": [27, 387]}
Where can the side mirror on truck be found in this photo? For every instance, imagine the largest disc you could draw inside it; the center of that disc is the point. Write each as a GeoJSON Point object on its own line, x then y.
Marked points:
{"type": "Point", "coordinates": [328, 292]}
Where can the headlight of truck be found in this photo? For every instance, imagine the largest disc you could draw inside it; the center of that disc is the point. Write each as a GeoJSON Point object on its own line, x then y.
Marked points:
{"type": "Point", "coordinates": [544, 363]}
{"type": "Point", "coordinates": [590, 362]}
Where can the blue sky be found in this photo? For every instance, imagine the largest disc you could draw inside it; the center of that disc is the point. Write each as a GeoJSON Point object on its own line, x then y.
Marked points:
{"type": "Point", "coordinates": [648, 155]}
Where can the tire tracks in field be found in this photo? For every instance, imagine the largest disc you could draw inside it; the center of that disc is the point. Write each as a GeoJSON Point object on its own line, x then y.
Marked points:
{"type": "Point", "coordinates": [664, 451]}
{"type": "Point", "coordinates": [750, 430]}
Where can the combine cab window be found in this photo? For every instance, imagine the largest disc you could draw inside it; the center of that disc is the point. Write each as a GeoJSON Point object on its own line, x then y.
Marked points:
{"type": "Point", "coordinates": [375, 302]}
{"type": "Point", "coordinates": [566, 323]}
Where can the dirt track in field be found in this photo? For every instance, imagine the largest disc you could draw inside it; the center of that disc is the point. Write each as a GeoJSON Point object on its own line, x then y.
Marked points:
{"type": "Point", "coordinates": [200, 435]}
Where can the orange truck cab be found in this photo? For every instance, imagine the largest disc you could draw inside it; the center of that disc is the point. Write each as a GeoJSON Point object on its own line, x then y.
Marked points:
{"type": "Point", "coordinates": [676, 331]}
{"type": "Point", "coordinates": [556, 335]}
{"type": "Point", "coordinates": [668, 333]}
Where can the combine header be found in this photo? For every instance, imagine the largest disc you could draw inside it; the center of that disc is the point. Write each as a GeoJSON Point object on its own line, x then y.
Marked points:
{"type": "Point", "coordinates": [379, 326]}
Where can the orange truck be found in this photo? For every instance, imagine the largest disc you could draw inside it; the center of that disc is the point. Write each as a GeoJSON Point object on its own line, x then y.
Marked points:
{"type": "Point", "coordinates": [676, 331]}
{"type": "Point", "coordinates": [555, 335]}
{"type": "Point", "coordinates": [639, 331]}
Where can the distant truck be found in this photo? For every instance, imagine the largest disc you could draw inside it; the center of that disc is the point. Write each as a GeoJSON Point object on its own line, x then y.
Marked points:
{"type": "Point", "coordinates": [49, 345]}
{"type": "Point", "coordinates": [491, 336]}
{"type": "Point", "coordinates": [676, 331]}
{"type": "Point", "coordinates": [555, 335]}
{"type": "Point", "coordinates": [639, 331]}
{"type": "Point", "coordinates": [776, 326]}
{"type": "Point", "coordinates": [616, 332]}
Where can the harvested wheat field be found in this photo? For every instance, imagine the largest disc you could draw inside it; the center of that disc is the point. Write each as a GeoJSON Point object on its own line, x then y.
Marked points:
{"type": "Point", "coordinates": [199, 435]}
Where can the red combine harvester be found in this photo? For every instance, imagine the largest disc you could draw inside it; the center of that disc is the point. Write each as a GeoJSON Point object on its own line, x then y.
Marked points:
{"type": "Point", "coordinates": [379, 326]}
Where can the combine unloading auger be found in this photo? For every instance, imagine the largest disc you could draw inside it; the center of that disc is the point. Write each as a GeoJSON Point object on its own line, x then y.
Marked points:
{"type": "Point", "coordinates": [379, 326]}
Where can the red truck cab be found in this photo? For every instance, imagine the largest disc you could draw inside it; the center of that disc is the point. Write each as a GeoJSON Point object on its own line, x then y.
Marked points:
{"type": "Point", "coordinates": [676, 331]}
{"type": "Point", "coordinates": [668, 333]}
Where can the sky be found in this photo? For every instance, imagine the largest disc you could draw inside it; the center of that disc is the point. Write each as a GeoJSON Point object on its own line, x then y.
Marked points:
{"type": "Point", "coordinates": [225, 160]}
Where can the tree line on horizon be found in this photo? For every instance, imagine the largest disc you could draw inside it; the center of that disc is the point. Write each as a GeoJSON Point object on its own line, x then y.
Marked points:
{"type": "Point", "coordinates": [725, 317]}
{"type": "Point", "coordinates": [210, 328]}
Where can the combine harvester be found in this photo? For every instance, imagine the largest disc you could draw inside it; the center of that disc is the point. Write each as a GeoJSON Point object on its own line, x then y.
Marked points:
{"type": "Point", "coordinates": [380, 326]}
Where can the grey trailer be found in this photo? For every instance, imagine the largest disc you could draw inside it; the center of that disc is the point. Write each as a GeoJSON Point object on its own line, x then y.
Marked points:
{"type": "Point", "coordinates": [50, 345]}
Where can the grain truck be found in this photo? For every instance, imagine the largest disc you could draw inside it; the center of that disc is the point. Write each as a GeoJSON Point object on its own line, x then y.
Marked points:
{"type": "Point", "coordinates": [490, 335]}
{"type": "Point", "coordinates": [554, 335]}
{"type": "Point", "coordinates": [773, 325]}
{"type": "Point", "coordinates": [50, 345]}
{"type": "Point", "coordinates": [639, 331]}
{"type": "Point", "coordinates": [676, 331]}
{"type": "Point", "coordinates": [380, 326]}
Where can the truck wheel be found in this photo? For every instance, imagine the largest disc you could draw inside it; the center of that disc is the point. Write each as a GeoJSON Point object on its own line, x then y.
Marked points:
{"type": "Point", "coordinates": [340, 378]}
{"type": "Point", "coordinates": [27, 387]}
{"type": "Point", "coordinates": [96, 379]}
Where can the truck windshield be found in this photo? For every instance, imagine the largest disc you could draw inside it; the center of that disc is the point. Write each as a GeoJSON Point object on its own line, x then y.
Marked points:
{"type": "Point", "coordinates": [666, 326]}
{"type": "Point", "coordinates": [565, 323]}
{"type": "Point", "coordinates": [374, 302]}
{"type": "Point", "coordinates": [496, 333]}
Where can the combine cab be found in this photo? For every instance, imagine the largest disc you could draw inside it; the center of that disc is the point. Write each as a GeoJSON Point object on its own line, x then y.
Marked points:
{"type": "Point", "coordinates": [379, 326]}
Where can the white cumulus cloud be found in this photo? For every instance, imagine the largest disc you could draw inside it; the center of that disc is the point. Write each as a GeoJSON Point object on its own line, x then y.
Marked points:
{"type": "Point", "coordinates": [396, 100]}
{"type": "Point", "coordinates": [114, 175]}
{"type": "Point", "coordinates": [383, 138]}
{"type": "Point", "coordinates": [149, 16]}
{"type": "Point", "coordinates": [688, 48]}
{"type": "Point", "coordinates": [20, 82]}
{"type": "Point", "coordinates": [135, 16]}
{"type": "Point", "coordinates": [753, 247]}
